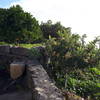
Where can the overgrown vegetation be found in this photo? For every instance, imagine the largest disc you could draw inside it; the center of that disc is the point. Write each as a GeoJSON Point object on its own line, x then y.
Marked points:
{"type": "Point", "coordinates": [74, 65]}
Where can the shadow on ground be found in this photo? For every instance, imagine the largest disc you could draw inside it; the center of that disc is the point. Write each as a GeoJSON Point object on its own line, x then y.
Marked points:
{"type": "Point", "coordinates": [13, 89]}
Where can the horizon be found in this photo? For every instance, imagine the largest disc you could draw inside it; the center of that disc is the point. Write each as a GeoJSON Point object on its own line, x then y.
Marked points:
{"type": "Point", "coordinates": [81, 15]}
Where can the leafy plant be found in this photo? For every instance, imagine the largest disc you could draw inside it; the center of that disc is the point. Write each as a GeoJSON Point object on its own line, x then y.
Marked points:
{"type": "Point", "coordinates": [75, 66]}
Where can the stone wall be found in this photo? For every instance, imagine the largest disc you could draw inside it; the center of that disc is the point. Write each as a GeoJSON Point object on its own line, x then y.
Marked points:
{"type": "Point", "coordinates": [42, 87]}
{"type": "Point", "coordinates": [38, 80]}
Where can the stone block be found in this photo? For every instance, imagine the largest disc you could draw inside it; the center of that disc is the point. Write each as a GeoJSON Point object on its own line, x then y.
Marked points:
{"type": "Point", "coordinates": [42, 87]}
{"type": "Point", "coordinates": [4, 49]}
{"type": "Point", "coordinates": [16, 69]}
{"type": "Point", "coordinates": [20, 51]}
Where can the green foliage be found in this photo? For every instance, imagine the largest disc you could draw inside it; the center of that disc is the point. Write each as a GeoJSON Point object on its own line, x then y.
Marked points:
{"type": "Point", "coordinates": [83, 82]}
{"type": "Point", "coordinates": [53, 30]}
{"type": "Point", "coordinates": [18, 26]}
{"type": "Point", "coordinates": [95, 70]}
{"type": "Point", "coordinates": [35, 52]}
{"type": "Point", "coordinates": [75, 65]}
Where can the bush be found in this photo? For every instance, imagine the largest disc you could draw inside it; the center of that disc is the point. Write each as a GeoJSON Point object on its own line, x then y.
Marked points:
{"type": "Point", "coordinates": [75, 67]}
{"type": "Point", "coordinates": [83, 86]}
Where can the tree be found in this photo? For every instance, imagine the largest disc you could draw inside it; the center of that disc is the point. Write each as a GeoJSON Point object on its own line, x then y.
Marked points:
{"type": "Point", "coordinates": [53, 30]}
{"type": "Point", "coordinates": [83, 39]}
{"type": "Point", "coordinates": [97, 41]}
{"type": "Point", "coordinates": [17, 25]}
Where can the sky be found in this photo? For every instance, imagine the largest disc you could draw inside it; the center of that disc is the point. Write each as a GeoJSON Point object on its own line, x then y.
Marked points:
{"type": "Point", "coordinates": [83, 16]}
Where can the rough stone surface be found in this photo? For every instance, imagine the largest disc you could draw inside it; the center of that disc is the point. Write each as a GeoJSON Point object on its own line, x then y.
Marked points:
{"type": "Point", "coordinates": [19, 51]}
{"type": "Point", "coordinates": [38, 80]}
{"type": "Point", "coordinates": [16, 69]}
{"type": "Point", "coordinates": [43, 88]}
{"type": "Point", "coordinates": [4, 49]}
{"type": "Point", "coordinates": [72, 96]}
{"type": "Point", "coordinates": [13, 53]}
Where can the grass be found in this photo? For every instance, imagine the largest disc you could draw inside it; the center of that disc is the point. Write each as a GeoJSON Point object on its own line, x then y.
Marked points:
{"type": "Point", "coordinates": [29, 45]}
{"type": "Point", "coordinates": [22, 45]}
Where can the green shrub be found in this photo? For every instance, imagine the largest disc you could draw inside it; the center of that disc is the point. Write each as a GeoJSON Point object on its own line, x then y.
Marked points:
{"type": "Point", "coordinates": [75, 67]}
{"type": "Point", "coordinates": [95, 70]}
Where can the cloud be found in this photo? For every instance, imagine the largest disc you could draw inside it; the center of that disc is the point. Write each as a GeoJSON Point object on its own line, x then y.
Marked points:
{"type": "Point", "coordinates": [82, 15]}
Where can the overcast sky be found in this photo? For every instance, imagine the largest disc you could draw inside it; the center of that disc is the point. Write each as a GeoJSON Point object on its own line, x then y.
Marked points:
{"type": "Point", "coordinates": [83, 16]}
